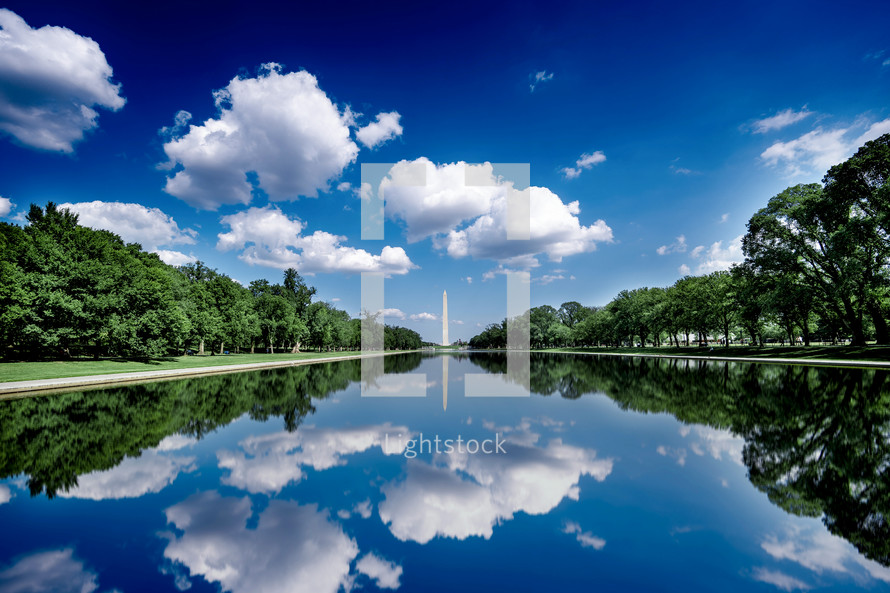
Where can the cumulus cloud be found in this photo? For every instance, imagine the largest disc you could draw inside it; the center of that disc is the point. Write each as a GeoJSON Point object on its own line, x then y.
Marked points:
{"type": "Point", "coordinates": [471, 220]}
{"type": "Point", "coordinates": [363, 509]}
{"type": "Point", "coordinates": [6, 206]}
{"type": "Point", "coordinates": [466, 495]}
{"type": "Point", "coordinates": [555, 232]}
{"type": "Point", "coordinates": [424, 317]}
{"type": "Point", "coordinates": [548, 278]}
{"type": "Point", "coordinates": [268, 463]}
{"type": "Point", "coordinates": [280, 131]}
{"type": "Point", "coordinates": [818, 150]}
{"type": "Point", "coordinates": [585, 538]}
{"type": "Point", "coordinates": [678, 454]}
{"type": "Point", "coordinates": [716, 257]}
{"type": "Point", "coordinates": [54, 571]}
{"type": "Point", "coordinates": [678, 246]}
{"type": "Point", "coordinates": [135, 223]}
{"type": "Point", "coordinates": [444, 201]}
{"type": "Point", "coordinates": [5, 494]}
{"type": "Point", "coordinates": [133, 477]}
{"type": "Point", "coordinates": [384, 573]}
{"type": "Point", "coordinates": [814, 548]}
{"type": "Point", "coordinates": [779, 579]}
{"type": "Point", "coordinates": [538, 78]}
{"type": "Point", "coordinates": [384, 129]}
{"type": "Point", "coordinates": [585, 161]}
{"type": "Point", "coordinates": [268, 237]}
{"type": "Point", "coordinates": [393, 313]}
{"type": "Point", "coordinates": [175, 258]}
{"type": "Point", "coordinates": [717, 443]}
{"type": "Point", "coordinates": [780, 120]}
{"type": "Point", "coordinates": [51, 79]}
{"type": "Point", "coordinates": [293, 548]}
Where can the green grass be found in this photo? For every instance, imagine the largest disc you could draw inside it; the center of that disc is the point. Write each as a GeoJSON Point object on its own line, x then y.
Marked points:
{"type": "Point", "coordinates": [32, 371]}
{"type": "Point", "coordinates": [870, 353]}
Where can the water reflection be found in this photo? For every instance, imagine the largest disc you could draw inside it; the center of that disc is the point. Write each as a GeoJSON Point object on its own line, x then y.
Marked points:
{"type": "Point", "coordinates": [813, 440]}
{"type": "Point", "coordinates": [460, 495]}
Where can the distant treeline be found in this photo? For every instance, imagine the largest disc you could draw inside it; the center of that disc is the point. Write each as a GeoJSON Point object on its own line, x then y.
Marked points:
{"type": "Point", "coordinates": [68, 290]}
{"type": "Point", "coordinates": [817, 267]}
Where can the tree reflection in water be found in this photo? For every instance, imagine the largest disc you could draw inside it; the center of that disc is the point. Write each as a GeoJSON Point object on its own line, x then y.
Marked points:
{"type": "Point", "coordinates": [817, 439]}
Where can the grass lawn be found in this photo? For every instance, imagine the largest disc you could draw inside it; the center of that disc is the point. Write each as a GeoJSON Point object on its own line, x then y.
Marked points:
{"type": "Point", "coordinates": [30, 371]}
{"type": "Point", "coordinates": [873, 353]}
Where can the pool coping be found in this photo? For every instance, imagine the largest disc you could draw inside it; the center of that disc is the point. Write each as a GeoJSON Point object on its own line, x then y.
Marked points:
{"type": "Point", "coordinates": [13, 389]}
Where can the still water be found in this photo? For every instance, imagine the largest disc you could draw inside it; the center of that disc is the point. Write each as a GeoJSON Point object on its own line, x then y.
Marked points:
{"type": "Point", "coordinates": [613, 474]}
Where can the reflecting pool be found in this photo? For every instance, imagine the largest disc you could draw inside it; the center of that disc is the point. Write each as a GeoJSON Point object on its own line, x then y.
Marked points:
{"type": "Point", "coordinates": [607, 474]}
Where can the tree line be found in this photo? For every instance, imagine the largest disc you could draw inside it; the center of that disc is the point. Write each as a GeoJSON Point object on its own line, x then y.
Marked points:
{"type": "Point", "coordinates": [67, 290]}
{"type": "Point", "coordinates": [816, 268]}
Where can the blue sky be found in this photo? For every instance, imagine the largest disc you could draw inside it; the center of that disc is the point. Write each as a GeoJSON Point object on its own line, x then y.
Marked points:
{"type": "Point", "coordinates": [652, 133]}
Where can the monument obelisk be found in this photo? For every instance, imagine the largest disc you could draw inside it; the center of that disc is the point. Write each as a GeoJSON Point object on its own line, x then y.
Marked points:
{"type": "Point", "coordinates": [445, 341]}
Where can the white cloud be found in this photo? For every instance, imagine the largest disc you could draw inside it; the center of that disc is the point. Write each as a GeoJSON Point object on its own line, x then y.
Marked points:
{"type": "Point", "coordinates": [585, 161]}
{"type": "Point", "coordinates": [678, 246]}
{"type": "Point", "coordinates": [716, 257]}
{"type": "Point", "coordinates": [175, 442]}
{"type": "Point", "coordinates": [282, 127]}
{"type": "Point", "coordinates": [51, 79]}
{"type": "Point", "coordinates": [717, 443]}
{"type": "Point", "coordinates": [684, 270]}
{"type": "Point", "coordinates": [5, 494]}
{"type": "Point", "coordinates": [363, 509]}
{"type": "Point", "coordinates": [472, 493]}
{"type": "Point", "coordinates": [539, 77]}
{"type": "Point", "coordinates": [384, 573]}
{"type": "Point", "coordinates": [585, 538]}
{"type": "Point", "coordinates": [175, 258]}
{"type": "Point", "coordinates": [132, 478]}
{"type": "Point", "coordinates": [392, 313]}
{"type": "Point", "coordinates": [818, 150]}
{"type": "Point", "coordinates": [678, 454]}
{"type": "Point", "coordinates": [424, 317]}
{"type": "Point", "coordinates": [780, 120]}
{"type": "Point", "coordinates": [724, 217]}
{"type": "Point", "coordinates": [456, 322]}
{"type": "Point", "coordinates": [268, 463]}
{"type": "Point", "coordinates": [779, 579]}
{"type": "Point", "coordinates": [555, 231]}
{"type": "Point", "coordinates": [814, 548]}
{"type": "Point", "coordinates": [54, 571]}
{"type": "Point", "coordinates": [135, 223]}
{"type": "Point", "coordinates": [6, 206]}
{"type": "Point", "coordinates": [384, 129]}
{"type": "Point", "coordinates": [472, 219]}
{"type": "Point", "coordinates": [444, 201]}
{"type": "Point", "coordinates": [293, 548]}
{"type": "Point", "coordinates": [268, 237]}
{"type": "Point", "coordinates": [548, 278]}
{"type": "Point", "coordinates": [469, 279]}
{"type": "Point", "coordinates": [683, 170]}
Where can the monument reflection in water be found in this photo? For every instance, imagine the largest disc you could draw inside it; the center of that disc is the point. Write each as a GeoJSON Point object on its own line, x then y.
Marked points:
{"type": "Point", "coordinates": [618, 474]}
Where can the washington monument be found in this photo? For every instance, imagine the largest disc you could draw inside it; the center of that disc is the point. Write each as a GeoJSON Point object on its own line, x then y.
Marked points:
{"type": "Point", "coordinates": [445, 341]}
